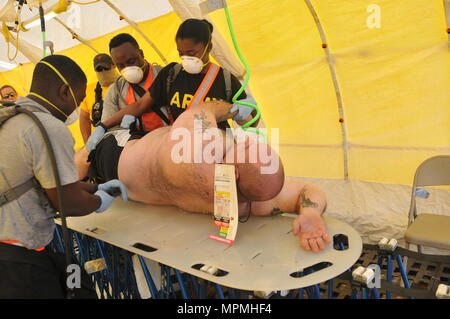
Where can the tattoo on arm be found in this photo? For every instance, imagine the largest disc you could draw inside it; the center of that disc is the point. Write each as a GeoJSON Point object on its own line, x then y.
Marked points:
{"type": "Point", "coordinates": [306, 202]}
{"type": "Point", "coordinates": [202, 117]}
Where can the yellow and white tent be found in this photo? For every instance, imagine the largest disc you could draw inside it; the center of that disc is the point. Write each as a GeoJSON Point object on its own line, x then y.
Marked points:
{"type": "Point", "coordinates": [359, 89]}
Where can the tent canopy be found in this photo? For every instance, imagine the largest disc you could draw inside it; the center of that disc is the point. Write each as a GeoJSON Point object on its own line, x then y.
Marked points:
{"type": "Point", "coordinates": [369, 95]}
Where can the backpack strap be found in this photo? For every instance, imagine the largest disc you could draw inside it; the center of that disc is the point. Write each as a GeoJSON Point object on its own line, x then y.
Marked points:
{"type": "Point", "coordinates": [227, 77]}
{"type": "Point", "coordinates": [173, 73]}
{"type": "Point", "coordinates": [98, 93]}
{"type": "Point", "coordinates": [6, 113]}
{"type": "Point", "coordinates": [140, 91]}
{"type": "Point", "coordinates": [97, 107]}
{"type": "Point", "coordinates": [155, 69]}
{"type": "Point", "coordinates": [15, 192]}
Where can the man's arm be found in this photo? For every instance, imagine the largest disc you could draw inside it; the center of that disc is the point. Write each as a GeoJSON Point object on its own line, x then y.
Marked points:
{"type": "Point", "coordinates": [78, 198]}
{"type": "Point", "coordinates": [311, 199]}
{"type": "Point", "coordinates": [136, 109]}
{"type": "Point", "coordinates": [220, 110]}
{"type": "Point", "coordinates": [250, 117]}
{"type": "Point", "coordinates": [306, 200]}
{"type": "Point", "coordinates": [111, 101]}
{"type": "Point", "coordinates": [209, 113]}
{"type": "Point", "coordinates": [85, 125]}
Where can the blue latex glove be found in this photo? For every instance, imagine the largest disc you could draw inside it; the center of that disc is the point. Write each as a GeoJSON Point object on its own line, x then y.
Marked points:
{"type": "Point", "coordinates": [95, 138]}
{"type": "Point", "coordinates": [127, 120]}
{"type": "Point", "coordinates": [243, 110]}
{"type": "Point", "coordinates": [106, 200]}
{"type": "Point", "coordinates": [114, 186]}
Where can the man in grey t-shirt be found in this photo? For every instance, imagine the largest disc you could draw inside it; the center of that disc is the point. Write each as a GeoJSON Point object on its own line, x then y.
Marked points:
{"type": "Point", "coordinates": [135, 71]}
{"type": "Point", "coordinates": [26, 218]}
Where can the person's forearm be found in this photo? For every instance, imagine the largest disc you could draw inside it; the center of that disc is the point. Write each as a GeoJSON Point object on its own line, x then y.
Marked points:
{"type": "Point", "coordinates": [78, 199]}
{"type": "Point", "coordinates": [251, 116]}
{"type": "Point", "coordinates": [135, 109]}
{"type": "Point", "coordinates": [220, 109]}
{"type": "Point", "coordinates": [89, 187]}
{"type": "Point", "coordinates": [85, 126]}
{"type": "Point", "coordinates": [87, 203]}
{"type": "Point", "coordinates": [311, 200]}
{"type": "Point", "coordinates": [116, 119]}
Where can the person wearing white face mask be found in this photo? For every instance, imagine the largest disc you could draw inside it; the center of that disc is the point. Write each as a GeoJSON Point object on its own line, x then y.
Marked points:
{"type": "Point", "coordinates": [28, 193]}
{"type": "Point", "coordinates": [180, 86]}
{"type": "Point", "coordinates": [137, 75]}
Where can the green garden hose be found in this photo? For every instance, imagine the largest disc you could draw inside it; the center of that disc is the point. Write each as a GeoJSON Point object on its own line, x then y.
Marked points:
{"type": "Point", "coordinates": [245, 127]}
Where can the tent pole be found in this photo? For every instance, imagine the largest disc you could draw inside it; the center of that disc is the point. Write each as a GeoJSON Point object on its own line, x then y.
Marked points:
{"type": "Point", "coordinates": [135, 26]}
{"type": "Point", "coordinates": [335, 83]}
{"type": "Point", "coordinates": [447, 17]}
{"type": "Point", "coordinates": [75, 35]}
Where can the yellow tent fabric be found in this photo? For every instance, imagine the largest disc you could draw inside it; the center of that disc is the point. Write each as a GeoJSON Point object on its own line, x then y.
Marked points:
{"type": "Point", "coordinates": [394, 82]}
{"type": "Point", "coordinates": [392, 66]}
{"type": "Point", "coordinates": [166, 27]}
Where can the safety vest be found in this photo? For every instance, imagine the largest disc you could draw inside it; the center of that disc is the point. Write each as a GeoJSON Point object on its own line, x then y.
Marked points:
{"type": "Point", "coordinates": [150, 121]}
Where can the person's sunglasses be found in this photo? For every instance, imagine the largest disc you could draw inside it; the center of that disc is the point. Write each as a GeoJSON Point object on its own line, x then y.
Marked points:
{"type": "Point", "coordinates": [9, 95]}
{"type": "Point", "coordinates": [101, 69]}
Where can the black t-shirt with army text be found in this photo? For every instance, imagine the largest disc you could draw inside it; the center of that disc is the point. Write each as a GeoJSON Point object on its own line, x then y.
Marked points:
{"type": "Point", "coordinates": [184, 87]}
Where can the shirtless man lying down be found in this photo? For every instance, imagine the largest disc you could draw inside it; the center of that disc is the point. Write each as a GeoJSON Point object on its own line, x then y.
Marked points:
{"type": "Point", "coordinates": [150, 168]}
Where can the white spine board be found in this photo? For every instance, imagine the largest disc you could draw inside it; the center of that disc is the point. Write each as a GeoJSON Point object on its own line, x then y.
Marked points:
{"type": "Point", "coordinates": [263, 257]}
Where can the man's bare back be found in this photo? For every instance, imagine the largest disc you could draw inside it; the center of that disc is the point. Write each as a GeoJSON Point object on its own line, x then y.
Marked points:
{"type": "Point", "coordinates": [146, 168]}
{"type": "Point", "coordinates": [149, 171]}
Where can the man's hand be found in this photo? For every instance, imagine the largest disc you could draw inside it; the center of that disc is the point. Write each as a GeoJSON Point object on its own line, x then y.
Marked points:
{"type": "Point", "coordinates": [107, 191]}
{"type": "Point", "coordinates": [105, 200]}
{"type": "Point", "coordinates": [114, 188]}
{"type": "Point", "coordinates": [95, 138]}
{"type": "Point", "coordinates": [244, 111]}
{"type": "Point", "coordinates": [127, 120]}
{"type": "Point", "coordinates": [310, 228]}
